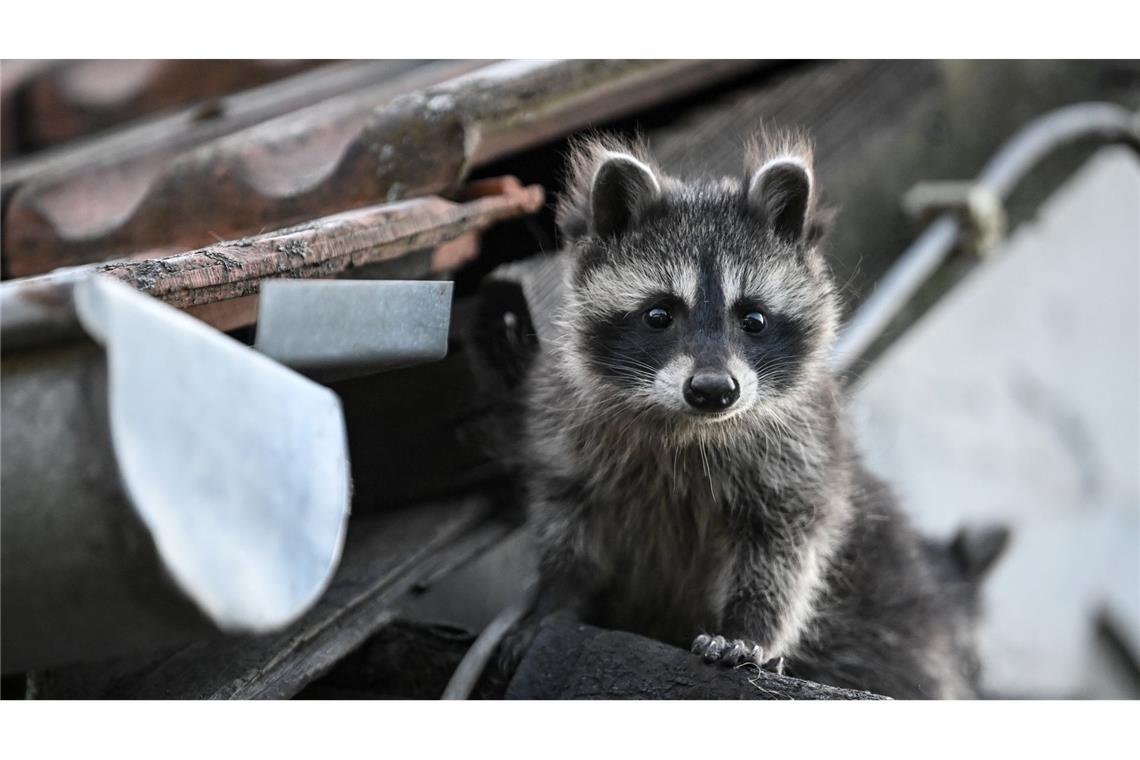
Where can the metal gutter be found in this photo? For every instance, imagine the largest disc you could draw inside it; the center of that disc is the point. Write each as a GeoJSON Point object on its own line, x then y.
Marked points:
{"type": "Point", "coordinates": [160, 482]}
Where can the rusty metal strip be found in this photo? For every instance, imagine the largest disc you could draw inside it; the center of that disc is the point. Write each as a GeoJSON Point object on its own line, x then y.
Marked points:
{"type": "Point", "coordinates": [288, 170]}
{"type": "Point", "coordinates": [39, 308]}
{"type": "Point", "coordinates": [82, 97]}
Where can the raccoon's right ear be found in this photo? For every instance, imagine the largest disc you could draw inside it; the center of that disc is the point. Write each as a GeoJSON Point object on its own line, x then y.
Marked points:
{"type": "Point", "coordinates": [621, 190]}
{"type": "Point", "coordinates": [608, 189]}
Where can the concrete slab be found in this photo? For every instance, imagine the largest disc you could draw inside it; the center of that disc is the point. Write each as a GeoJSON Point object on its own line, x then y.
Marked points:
{"type": "Point", "coordinates": [1018, 398]}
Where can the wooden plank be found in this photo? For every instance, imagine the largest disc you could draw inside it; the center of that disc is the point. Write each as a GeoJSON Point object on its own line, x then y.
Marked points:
{"type": "Point", "coordinates": [424, 264]}
{"type": "Point", "coordinates": [320, 248]}
{"type": "Point", "coordinates": [37, 306]}
{"type": "Point", "coordinates": [385, 557]}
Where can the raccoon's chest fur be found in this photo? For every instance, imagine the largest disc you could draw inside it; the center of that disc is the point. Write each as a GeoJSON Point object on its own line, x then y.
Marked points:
{"type": "Point", "coordinates": [664, 548]}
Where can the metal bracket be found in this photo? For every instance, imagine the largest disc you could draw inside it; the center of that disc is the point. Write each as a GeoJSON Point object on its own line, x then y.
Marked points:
{"type": "Point", "coordinates": [978, 206]}
{"type": "Point", "coordinates": [337, 329]}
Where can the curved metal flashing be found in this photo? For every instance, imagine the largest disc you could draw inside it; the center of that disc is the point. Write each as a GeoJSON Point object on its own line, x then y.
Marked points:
{"type": "Point", "coordinates": [237, 466]}
{"type": "Point", "coordinates": [161, 483]}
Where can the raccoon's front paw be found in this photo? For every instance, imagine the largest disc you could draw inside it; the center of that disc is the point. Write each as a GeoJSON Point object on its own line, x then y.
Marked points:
{"type": "Point", "coordinates": [730, 652]}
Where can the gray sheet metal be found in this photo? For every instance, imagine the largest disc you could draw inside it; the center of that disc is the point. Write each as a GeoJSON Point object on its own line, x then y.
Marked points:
{"type": "Point", "coordinates": [334, 329]}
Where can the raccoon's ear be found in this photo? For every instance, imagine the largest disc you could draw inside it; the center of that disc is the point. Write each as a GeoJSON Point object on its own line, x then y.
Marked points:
{"type": "Point", "coordinates": [621, 190]}
{"type": "Point", "coordinates": [780, 193]}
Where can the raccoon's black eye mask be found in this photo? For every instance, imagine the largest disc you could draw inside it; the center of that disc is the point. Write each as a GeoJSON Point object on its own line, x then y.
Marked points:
{"type": "Point", "coordinates": [660, 317]}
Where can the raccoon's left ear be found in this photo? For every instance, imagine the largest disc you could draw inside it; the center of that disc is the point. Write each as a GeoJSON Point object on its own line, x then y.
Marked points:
{"type": "Point", "coordinates": [780, 193]}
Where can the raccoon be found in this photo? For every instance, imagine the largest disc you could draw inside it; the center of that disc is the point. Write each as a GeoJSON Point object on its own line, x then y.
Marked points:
{"type": "Point", "coordinates": [691, 476]}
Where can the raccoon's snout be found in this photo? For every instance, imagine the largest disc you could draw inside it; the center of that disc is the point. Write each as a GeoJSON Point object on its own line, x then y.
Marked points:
{"type": "Point", "coordinates": [711, 391]}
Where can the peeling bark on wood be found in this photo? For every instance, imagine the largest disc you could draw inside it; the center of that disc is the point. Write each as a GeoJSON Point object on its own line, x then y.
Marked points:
{"type": "Point", "coordinates": [317, 249]}
{"type": "Point", "coordinates": [574, 661]}
{"type": "Point", "coordinates": [35, 307]}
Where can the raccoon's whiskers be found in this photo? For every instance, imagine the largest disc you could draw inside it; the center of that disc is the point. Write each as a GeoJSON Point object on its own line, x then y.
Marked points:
{"type": "Point", "coordinates": [708, 470]}
{"type": "Point", "coordinates": [676, 453]}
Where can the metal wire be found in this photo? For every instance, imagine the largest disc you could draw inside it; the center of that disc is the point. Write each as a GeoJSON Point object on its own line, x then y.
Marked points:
{"type": "Point", "coordinates": [466, 676]}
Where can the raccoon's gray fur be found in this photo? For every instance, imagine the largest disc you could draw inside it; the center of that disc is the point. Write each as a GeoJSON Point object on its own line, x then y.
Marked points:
{"type": "Point", "coordinates": [736, 506]}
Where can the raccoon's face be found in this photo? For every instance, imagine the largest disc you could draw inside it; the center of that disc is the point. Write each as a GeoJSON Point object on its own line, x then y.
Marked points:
{"type": "Point", "coordinates": [701, 302]}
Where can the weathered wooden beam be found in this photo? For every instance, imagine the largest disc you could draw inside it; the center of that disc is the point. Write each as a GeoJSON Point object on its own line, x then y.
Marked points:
{"type": "Point", "coordinates": [291, 169]}
{"type": "Point", "coordinates": [574, 661]}
{"type": "Point", "coordinates": [320, 248]}
{"type": "Point", "coordinates": [40, 306]}
{"type": "Point", "coordinates": [385, 557]}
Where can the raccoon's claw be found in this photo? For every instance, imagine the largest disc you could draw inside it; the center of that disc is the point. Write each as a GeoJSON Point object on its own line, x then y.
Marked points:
{"type": "Point", "coordinates": [727, 652]}
{"type": "Point", "coordinates": [708, 647]}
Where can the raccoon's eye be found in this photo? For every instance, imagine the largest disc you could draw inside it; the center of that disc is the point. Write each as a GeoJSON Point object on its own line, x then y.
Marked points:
{"type": "Point", "coordinates": [753, 322]}
{"type": "Point", "coordinates": [658, 318]}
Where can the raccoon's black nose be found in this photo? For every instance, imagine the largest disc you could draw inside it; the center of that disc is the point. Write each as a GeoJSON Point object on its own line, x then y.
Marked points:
{"type": "Point", "coordinates": [712, 391]}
